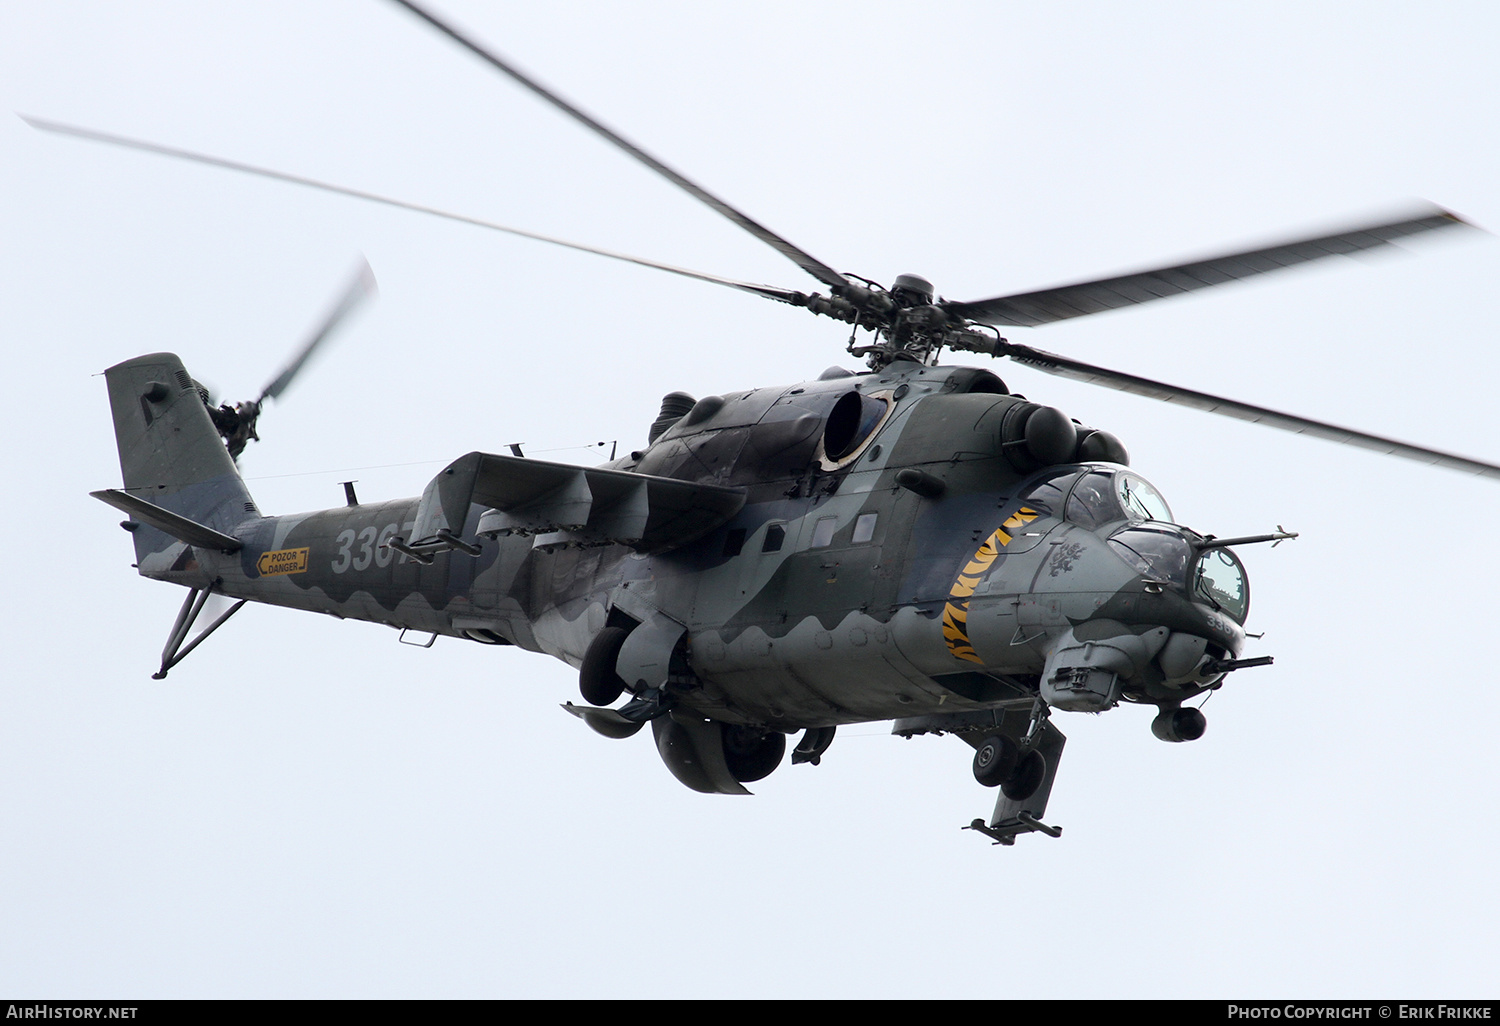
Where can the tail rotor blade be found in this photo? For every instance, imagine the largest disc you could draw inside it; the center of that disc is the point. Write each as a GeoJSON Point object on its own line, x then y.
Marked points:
{"type": "Point", "coordinates": [362, 287]}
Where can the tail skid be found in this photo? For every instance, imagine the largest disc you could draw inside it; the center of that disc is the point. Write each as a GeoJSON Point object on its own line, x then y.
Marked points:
{"type": "Point", "coordinates": [174, 651]}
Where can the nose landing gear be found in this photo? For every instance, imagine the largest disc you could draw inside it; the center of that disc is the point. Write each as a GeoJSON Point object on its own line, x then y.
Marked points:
{"type": "Point", "coordinates": [1016, 750]}
{"type": "Point", "coordinates": [1000, 762]}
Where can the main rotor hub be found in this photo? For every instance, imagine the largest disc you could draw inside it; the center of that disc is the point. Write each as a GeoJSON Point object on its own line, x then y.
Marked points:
{"type": "Point", "coordinates": [909, 322]}
{"type": "Point", "coordinates": [912, 290]}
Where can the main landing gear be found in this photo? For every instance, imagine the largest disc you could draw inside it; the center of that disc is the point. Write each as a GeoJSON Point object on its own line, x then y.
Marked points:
{"type": "Point", "coordinates": [706, 755]}
{"type": "Point", "coordinates": [598, 681]}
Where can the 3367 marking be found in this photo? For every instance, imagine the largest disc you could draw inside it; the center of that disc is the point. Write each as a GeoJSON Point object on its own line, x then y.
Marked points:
{"type": "Point", "coordinates": [359, 549]}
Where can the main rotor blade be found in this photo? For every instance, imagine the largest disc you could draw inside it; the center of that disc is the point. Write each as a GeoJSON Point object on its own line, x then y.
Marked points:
{"type": "Point", "coordinates": [361, 287]}
{"type": "Point", "coordinates": [1029, 309]}
{"type": "Point", "coordinates": [801, 258]}
{"type": "Point", "coordinates": [57, 127]}
{"type": "Point", "coordinates": [1077, 370]}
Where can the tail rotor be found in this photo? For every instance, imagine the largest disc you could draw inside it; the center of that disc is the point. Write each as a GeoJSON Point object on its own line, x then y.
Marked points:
{"type": "Point", "coordinates": [237, 423]}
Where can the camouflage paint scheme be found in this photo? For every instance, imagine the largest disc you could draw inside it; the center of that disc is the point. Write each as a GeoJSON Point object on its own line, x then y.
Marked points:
{"type": "Point", "coordinates": [946, 602]}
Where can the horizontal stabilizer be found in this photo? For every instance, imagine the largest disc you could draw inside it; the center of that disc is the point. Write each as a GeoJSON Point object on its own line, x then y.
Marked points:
{"type": "Point", "coordinates": [562, 504]}
{"type": "Point", "coordinates": [165, 520]}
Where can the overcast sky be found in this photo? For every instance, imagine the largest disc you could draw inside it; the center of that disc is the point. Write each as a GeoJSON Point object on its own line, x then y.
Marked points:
{"type": "Point", "coordinates": [306, 808]}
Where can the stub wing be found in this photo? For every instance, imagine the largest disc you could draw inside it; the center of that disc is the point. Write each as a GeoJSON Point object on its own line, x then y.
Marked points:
{"type": "Point", "coordinates": [560, 503]}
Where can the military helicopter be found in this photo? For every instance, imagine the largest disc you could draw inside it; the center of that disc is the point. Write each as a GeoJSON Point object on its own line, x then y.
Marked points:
{"type": "Point", "coordinates": [913, 543]}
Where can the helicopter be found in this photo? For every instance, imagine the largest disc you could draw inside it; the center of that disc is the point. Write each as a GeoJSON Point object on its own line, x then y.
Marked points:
{"type": "Point", "coordinates": [737, 573]}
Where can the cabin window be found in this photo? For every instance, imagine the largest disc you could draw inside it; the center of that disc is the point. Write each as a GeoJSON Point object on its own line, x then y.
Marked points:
{"type": "Point", "coordinates": [734, 541]}
{"type": "Point", "coordinates": [864, 528]}
{"type": "Point", "coordinates": [823, 532]}
{"type": "Point", "coordinates": [775, 535]}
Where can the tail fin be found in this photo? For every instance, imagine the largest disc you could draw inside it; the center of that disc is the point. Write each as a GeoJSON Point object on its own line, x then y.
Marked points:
{"type": "Point", "coordinates": [171, 454]}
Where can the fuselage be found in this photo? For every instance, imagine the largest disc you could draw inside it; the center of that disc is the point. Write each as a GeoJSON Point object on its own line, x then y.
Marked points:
{"type": "Point", "coordinates": [905, 546]}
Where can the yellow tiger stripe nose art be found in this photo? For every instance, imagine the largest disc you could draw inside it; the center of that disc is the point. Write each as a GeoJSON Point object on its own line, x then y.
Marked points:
{"type": "Point", "coordinates": [956, 610]}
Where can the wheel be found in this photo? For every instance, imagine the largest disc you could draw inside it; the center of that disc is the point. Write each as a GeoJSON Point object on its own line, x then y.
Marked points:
{"type": "Point", "coordinates": [598, 681]}
{"type": "Point", "coordinates": [751, 753]}
{"type": "Point", "coordinates": [1028, 775]}
{"type": "Point", "coordinates": [994, 760]}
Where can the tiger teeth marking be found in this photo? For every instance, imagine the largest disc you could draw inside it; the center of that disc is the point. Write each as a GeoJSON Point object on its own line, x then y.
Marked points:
{"type": "Point", "coordinates": [956, 610]}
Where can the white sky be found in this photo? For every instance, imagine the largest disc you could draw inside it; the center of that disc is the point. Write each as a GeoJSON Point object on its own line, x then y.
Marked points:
{"type": "Point", "coordinates": [306, 808]}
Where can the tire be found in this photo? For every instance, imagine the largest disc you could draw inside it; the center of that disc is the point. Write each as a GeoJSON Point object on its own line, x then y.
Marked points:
{"type": "Point", "coordinates": [1030, 771]}
{"type": "Point", "coordinates": [598, 681]}
{"type": "Point", "coordinates": [994, 760]}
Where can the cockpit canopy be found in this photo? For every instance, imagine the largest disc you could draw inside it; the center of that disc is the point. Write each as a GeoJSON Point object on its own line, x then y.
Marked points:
{"type": "Point", "coordinates": [1146, 538]}
{"type": "Point", "coordinates": [1099, 495]}
{"type": "Point", "coordinates": [1159, 553]}
{"type": "Point", "coordinates": [1164, 554]}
